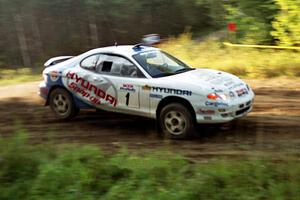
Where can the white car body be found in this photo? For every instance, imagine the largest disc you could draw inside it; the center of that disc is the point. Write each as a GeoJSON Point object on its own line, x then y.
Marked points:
{"type": "Point", "coordinates": [142, 95]}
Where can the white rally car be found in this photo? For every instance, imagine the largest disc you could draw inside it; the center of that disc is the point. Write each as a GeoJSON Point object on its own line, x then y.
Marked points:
{"type": "Point", "coordinates": [144, 81]}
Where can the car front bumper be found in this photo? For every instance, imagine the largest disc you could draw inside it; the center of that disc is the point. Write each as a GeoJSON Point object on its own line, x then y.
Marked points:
{"type": "Point", "coordinates": [236, 109]}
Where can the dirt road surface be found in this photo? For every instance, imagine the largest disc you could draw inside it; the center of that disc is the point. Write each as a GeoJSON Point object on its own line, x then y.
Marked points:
{"type": "Point", "coordinates": [272, 129]}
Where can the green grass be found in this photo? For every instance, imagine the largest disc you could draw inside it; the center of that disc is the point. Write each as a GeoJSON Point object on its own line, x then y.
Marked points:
{"type": "Point", "coordinates": [244, 62]}
{"type": "Point", "coordinates": [50, 171]}
{"type": "Point", "coordinates": [16, 76]}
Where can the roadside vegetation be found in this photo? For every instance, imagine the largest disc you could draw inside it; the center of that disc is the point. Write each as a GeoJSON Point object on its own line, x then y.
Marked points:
{"type": "Point", "coordinates": [244, 62]}
{"type": "Point", "coordinates": [210, 53]}
{"type": "Point", "coordinates": [33, 31]}
{"type": "Point", "coordinates": [16, 76]}
{"type": "Point", "coordinates": [50, 171]}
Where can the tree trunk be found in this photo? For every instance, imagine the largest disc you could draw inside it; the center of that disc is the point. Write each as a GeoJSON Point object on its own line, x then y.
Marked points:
{"type": "Point", "coordinates": [22, 40]}
{"type": "Point", "coordinates": [93, 30]}
{"type": "Point", "coordinates": [38, 45]}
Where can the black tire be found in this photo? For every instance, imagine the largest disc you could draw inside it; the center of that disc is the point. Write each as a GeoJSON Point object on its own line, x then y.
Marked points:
{"type": "Point", "coordinates": [62, 104]}
{"type": "Point", "coordinates": [176, 121]}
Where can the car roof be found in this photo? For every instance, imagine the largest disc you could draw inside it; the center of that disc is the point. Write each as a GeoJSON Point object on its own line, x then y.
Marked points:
{"type": "Point", "coordinates": [126, 50]}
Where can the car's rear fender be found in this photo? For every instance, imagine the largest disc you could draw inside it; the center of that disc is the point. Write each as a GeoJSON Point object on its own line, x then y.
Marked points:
{"type": "Point", "coordinates": [79, 103]}
{"type": "Point", "coordinates": [50, 90]}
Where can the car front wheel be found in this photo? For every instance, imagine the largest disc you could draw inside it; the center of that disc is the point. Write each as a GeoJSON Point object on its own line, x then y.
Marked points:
{"type": "Point", "coordinates": [62, 104]}
{"type": "Point", "coordinates": [176, 121]}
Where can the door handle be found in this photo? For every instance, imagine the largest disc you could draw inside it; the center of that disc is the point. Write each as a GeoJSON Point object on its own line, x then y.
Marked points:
{"type": "Point", "coordinates": [97, 79]}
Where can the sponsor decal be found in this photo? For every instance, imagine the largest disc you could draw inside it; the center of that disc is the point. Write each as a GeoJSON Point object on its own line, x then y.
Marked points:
{"type": "Point", "coordinates": [207, 118]}
{"type": "Point", "coordinates": [235, 86]}
{"type": "Point", "coordinates": [146, 87]}
{"type": "Point", "coordinates": [127, 88]}
{"type": "Point", "coordinates": [54, 76]}
{"type": "Point", "coordinates": [241, 92]}
{"type": "Point", "coordinates": [222, 110]}
{"type": "Point", "coordinates": [157, 96]}
{"type": "Point", "coordinates": [89, 91]}
{"type": "Point", "coordinates": [216, 104]}
{"type": "Point", "coordinates": [231, 94]}
{"type": "Point", "coordinates": [218, 90]}
{"type": "Point", "coordinates": [205, 112]}
{"type": "Point", "coordinates": [172, 91]}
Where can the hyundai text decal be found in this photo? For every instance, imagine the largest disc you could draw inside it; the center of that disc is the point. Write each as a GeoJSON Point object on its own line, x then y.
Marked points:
{"type": "Point", "coordinates": [172, 91]}
{"type": "Point", "coordinates": [89, 91]}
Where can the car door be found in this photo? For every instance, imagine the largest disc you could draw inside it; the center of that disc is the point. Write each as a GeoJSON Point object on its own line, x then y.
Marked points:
{"type": "Point", "coordinates": [88, 86]}
{"type": "Point", "coordinates": [127, 80]}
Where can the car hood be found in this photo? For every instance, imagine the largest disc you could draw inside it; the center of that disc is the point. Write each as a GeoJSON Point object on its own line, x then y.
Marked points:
{"type": "Point", "coordinates": [207, 79]}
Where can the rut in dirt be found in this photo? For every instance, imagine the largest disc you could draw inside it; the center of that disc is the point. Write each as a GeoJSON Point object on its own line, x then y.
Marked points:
{"type": "Point", "coordinates": [272, 127]}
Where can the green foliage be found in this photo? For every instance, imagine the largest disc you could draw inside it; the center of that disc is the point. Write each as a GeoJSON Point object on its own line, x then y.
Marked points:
{"type": "Point", "coordinates": [286, 23]}
{"type": "Point", "coordinates": [83, 172]}
{"type": "Point", "coordinates": [77, 173]}
{"type": "Point", "coordinates": [244, 62]}
{"type": "Point", "coordinates": [253, 19]}
{"type": "Point", "coordinates": [18, 167]}
{"type": "Point", "coordinates": [33, 30]}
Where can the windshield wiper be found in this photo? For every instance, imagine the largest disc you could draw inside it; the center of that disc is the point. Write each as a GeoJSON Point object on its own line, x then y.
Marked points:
{"type": "Point", "coordinates": [183, 70]}
{"type": "Point", "coordinates": [163, 74]}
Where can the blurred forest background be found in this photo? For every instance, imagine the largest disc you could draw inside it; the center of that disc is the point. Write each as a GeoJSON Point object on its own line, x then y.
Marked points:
{"type": "Point", "coordinates": [31, 31]}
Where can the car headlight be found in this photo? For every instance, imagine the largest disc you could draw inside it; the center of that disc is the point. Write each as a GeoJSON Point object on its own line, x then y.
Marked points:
{"type": "Point", "coordinates": [215, 96]}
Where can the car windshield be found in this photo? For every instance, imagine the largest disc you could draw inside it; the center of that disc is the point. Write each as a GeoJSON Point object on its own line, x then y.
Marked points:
{"type": "Point", "coordinates": [160, 64]}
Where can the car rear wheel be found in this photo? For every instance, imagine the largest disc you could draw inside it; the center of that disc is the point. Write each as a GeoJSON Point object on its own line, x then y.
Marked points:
{"type": "Point", "coordinates": [176, 121]}
{"type": "Point", "coordinates": [62, 104]}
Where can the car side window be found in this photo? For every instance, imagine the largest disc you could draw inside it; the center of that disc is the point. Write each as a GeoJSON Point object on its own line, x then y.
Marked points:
{"type": "Point", "coordinates": [117, 66]}
{"type": "Point", "coordinates": [90, 62]}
